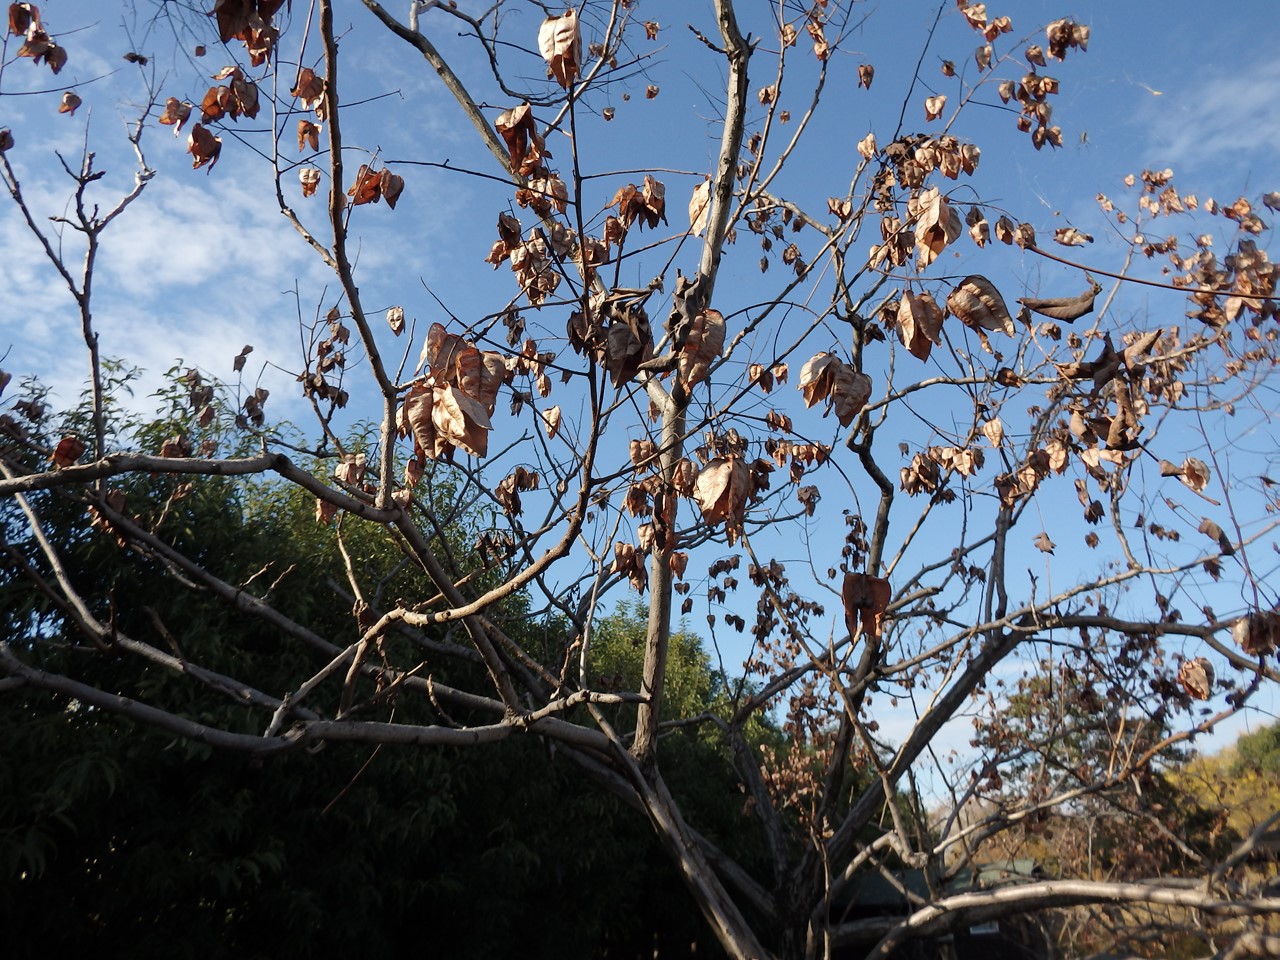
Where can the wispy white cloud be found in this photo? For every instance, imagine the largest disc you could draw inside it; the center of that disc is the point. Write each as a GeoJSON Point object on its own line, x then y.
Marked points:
{"type": "Point", "coordinates": [189, 271]}
{"type": "Point", "coordinates": [1224, 119]}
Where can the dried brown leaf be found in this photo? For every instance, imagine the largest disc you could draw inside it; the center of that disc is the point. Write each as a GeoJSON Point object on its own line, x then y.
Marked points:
{"type": "Point", "coordinates": [701, 347]}
{"type": "Point", "coordinates": [721, 491]}
{"type": "Point", "coordinates": [460, 420]}
{"type": "Point", "coordinates": [309, 177]}
{"type": "Point", "coordinates": [551, 421]}
{"type": "Point", "coordinates": [204, 147]}
{"type": "Point", "coordinates": [560, 43]}
{"type": "Point", "coordinates": [395, 320]}
{"type": "Point", "coordinates": [69, 449]}
{"type": "Point", "coordinates": [1258, 633]}
{"type": "Point", "coordinates": [978, 304]}
{"type": "Point", "coordinates": [865, 600]}
{"type": "Point", "coordinates": [919, 323]}
{"type": "Point", "coordinates": [1195, 474]}
{"type": "Point", "coordinates": [700, 207]}
{"type": "Point", "coordinates": [1067, 309]}
{"type": "Point", "coordinates": [1196, 677]}
{"type": "Point", "coordinates": [937, 224]}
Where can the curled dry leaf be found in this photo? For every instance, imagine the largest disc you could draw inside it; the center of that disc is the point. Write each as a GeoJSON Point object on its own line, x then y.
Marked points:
{"type": "Point", "coordinates": [560, 43]}
{"type": "Point", "coordinates": [70, 102]}
{"type": "Point", "coordinates": [460, 420]}
{"type": "Point", "coordinates": [808, 497]}
{"type": "Point", "coordinates": [204, 147]}
{"type": "Point", "coordinates": [69, 449]}
{"type": "Point", "coordinates": [238, 363]}
{"type": "Point", "coordinates": [1212, 530]}
{"type": "Point", "coordinates": [1071, 237]}
{"type": "Point", "coordinates": [325, 511]}
{"type": "Point", "coordinates": [933, 107]}
{"type": "Point", "coordinates": [1196, 677]}
{"type": "Point", "coordinates": [415, 419]}
{"type": "Point", "coordinates": [551, 422]}
{"type": "Point", "coordinates": [679, 562]}
{"type": "Point", "coordinates": [519, 132]}
{"type": "Point", "coordinates": [176, 113]}
{"type": "Point", "coordinates": [866, 73]}
{"type": "Point", "coordinates": [978, 304]}
{"type": "Point", "coordinates": [508, 491]}
{"type": "Point", "coordinates": [937, 224]}
{"type": "Point", "coordinates": [993, 430]}
{"type": "Point", "coordinates": [867, 146]}
{"type": "Point", "coordinates": [1195, 474]}
{"type": "Point", "coordinates": [1065, 34]}
{"type": "Point", "coordinates": [684, 477]}
{"type": "Point", "coordinates": [309, 89]}
{"type": "Point", "coordinates": [721, 491]}
{"type": "Point", "coordinates": [250, 22]}
{"type": "Point", "coordinates": [700, 207]}
{"type": "Point", "coordinates": [919, 323]}
{"type": "Point", "coordinates": [308, 136]}
{"type": "Point", "coordinates": [627, 559]}
{"type": "Point", "coordinates": [370, 187]}
{"type": "Point", "coordinates": [22, 16]}
{"type": "Point", "coordinates": [777, 421]}
{"type": "Point", "coordinates": [395, 320]}
{"type": "Point", "coordinates": [865, 600]}
{"type": "Point", "coordinates": [821, 48]}
{"type": "Point", "coordinates": [309, 177]}
{"type": "Point", "coordinates": [115, 500]}
{"type": "Point", "coordinates": [24, 21]}
{"type": "Point", "coordinates": [252, 405]}
{"type": "Point", "coordinates": [643, 453]}
{"type": "Point", "coordinates": [827, 377]}
{"type": "Point", "coordinates": [965, 461]}
{"type": "Point", "coordinates": [646, 203]}
{"type": "Point", "coordinates": [1043, 543]}
{"type": "Point", "coordinates": [979, 229]}
{"type": "Point", "coordinates": [1257, 633]}
{"type": "Point", "coordinates": [176, 446]}
{"type": "Point", "coordinates": [1067, 309]}
{"type": "Point", "coordinates": [351, 469]}
{"type": "Point", "coordinates": [701, 347]}
{"type": "Point", "coordinates": [545, 192]}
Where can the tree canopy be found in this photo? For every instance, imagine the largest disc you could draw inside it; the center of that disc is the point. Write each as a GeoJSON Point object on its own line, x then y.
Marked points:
{"type": "Point", "coordinates": [925, 452]}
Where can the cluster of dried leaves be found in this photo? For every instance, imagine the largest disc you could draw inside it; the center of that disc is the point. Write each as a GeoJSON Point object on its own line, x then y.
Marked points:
{"type": "Point", "coordinates": [25, 22]}
{"type": "Point", "coordinates": [249, 21]}
{"type": "Point", "coordinates": [450, 406]}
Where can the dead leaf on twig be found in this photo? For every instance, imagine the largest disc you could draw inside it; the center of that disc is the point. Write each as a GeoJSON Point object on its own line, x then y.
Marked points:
{"type": "Point", "coordinates": [1067, 309]}
{"type": "Point", "coordinates": [1196, 677]}
{"type": "Point", "coordinates": [865, 600]}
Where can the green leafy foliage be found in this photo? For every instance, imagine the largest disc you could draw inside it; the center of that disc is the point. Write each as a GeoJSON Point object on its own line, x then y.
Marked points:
{"type": "Point", "coordinates": [124, 841]}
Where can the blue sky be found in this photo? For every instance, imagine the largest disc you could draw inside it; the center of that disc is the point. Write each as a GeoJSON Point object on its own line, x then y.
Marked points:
{"type": "Point", "coordinates": [203, 263]}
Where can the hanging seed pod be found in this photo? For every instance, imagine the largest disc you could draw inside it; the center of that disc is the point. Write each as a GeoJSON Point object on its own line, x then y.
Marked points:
{"type": "Point", "coordinates": [1067, 309]}
{"type": "Point", "coordinates": [1196, 677]}
{"type": "Point", "coordinates": [978, 304]}
{"type": "Point", "coordinates": [1257, 633]}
